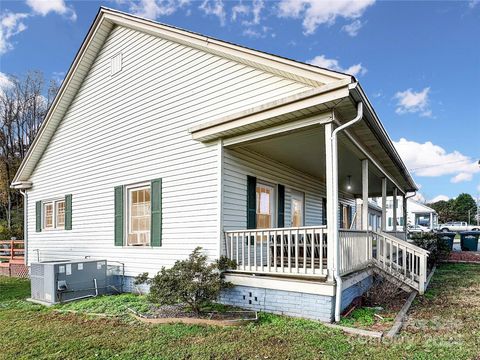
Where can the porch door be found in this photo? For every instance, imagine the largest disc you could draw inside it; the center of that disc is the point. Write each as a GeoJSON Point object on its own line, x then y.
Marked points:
{"type": "Point", "coordinates": [297, 209]}
{"type": "Point", "coordinates": [265, 205]}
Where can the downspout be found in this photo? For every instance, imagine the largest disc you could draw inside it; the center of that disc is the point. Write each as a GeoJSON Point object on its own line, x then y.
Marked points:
{"type": "Point", "coordinates": [25, 225]}
{"type": "Point", "coordinates": [336, 244]}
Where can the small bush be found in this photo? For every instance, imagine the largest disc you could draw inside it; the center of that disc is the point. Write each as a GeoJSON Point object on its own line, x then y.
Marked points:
{"type": "Point", "coordinates": [438, 249]}
{"type": "Point", "coordinates": [192, 281]}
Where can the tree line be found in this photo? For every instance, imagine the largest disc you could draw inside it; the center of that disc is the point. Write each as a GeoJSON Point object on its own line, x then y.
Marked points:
{"type": "Point", "coordinates": [461, 208]}
{"type": "Point", "coordinates": [24, 102]}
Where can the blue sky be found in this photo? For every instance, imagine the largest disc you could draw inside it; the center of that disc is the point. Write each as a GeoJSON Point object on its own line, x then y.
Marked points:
{"type": "Point", "coordinates": [419, 62]}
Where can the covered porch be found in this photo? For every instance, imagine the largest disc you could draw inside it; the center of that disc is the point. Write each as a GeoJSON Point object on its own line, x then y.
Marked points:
{"type": "Point", "coordinates": [343, 160]}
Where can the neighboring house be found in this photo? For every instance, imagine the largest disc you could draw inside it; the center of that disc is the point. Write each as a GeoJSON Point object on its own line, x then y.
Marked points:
{"type": "Point", "coordinates": [417, 214]}
{"type": "Point", "coordinates": [161, 140]}
{"type": "Point", "coordinates": [374, 215]}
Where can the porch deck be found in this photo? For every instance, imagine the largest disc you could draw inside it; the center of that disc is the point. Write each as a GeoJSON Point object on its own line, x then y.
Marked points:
{"type": "Point", "coordinates": [12, 258]}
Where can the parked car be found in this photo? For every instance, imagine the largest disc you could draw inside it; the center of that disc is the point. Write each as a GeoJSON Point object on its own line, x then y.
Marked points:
{"type": "Point", "coordinates": [418, 229]}
{"type": "Point", "coordinates": [457, 226]}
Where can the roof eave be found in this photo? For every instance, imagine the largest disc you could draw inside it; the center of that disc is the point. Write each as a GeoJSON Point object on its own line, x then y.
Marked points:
{"type": "Point", "coordinates": [359, 95]}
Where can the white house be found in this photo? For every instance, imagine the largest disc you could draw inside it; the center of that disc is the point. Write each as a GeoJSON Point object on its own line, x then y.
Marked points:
{"type": "Point", "coordinates": [161, 140]}
{"type": "Point", "coordinates": [417, 214]}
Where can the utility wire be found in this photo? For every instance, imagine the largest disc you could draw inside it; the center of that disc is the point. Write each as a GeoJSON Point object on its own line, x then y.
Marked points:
{"type": "Point", "coordinates": [445, 163]}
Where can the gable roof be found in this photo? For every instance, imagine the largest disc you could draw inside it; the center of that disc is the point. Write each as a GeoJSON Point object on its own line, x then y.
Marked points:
{"type": "Point", "coordinates": [105, 20]}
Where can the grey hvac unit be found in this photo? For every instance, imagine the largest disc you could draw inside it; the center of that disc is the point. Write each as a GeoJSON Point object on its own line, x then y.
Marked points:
{"type": "Point", "coordinates": [58, 281]}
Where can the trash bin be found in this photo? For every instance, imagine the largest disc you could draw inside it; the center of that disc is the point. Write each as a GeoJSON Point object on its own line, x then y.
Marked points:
{"type": "Point", "coordinates": [469, 240]}
{"type": "Point", "coordinates": [447, 238]}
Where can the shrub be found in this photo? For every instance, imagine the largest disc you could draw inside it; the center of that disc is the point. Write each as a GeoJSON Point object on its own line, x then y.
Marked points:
{"type": "Point", "coordinates": [192, 281]}
{"type": "Point", "coordinates": [438, 249]}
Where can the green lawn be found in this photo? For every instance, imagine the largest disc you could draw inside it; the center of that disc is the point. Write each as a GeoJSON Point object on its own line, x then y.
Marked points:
{"type": "Point", "coordinates": [445, 324]}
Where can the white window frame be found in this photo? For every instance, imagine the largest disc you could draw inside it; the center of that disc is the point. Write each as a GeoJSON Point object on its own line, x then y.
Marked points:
{"type": "Point", "coordinates": [273, 201]}
{"type": "Point", "coordinates": [127, 202]}
{"type": "Point", "coordinates": [55, 225]}
{"type": "Point", "coordinates": [297, 195]}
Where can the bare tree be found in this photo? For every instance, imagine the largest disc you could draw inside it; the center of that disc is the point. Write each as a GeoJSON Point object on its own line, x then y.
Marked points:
{"type": "Point", "coordinates": [23, 107]}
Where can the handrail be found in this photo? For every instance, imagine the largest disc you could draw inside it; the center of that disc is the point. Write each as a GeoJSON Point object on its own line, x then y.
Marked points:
{"type": "Point", "coordinates": [401, 259]}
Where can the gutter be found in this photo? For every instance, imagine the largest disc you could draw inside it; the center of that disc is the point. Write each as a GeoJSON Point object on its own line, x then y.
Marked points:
{"type": "Point", "coordinates": [336, 243]}
{"type": "Point", "coordinates": [380, 131]}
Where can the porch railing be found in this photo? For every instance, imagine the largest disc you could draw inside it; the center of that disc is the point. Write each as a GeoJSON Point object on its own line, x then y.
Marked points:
{"type": "Point", "coordinates": [398, 234]}
{"type": "Point", "coordinates": [355, 250]}
{"type": "Point", "coordinates": [401, 259]}
{"type": "Point", "coordinates": [12, 250]}
{"type": "Point", "coordinates": [290, 251]}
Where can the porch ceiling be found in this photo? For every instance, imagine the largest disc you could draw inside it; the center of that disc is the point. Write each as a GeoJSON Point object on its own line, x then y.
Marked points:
{"type": "Point", "coordinates": [304, 150]}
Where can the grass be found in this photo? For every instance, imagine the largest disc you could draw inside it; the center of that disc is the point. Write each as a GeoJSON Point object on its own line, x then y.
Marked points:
{"type": "Point", "coordinates": [445, 324]}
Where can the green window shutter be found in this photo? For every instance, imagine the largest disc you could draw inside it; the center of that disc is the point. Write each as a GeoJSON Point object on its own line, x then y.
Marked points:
{"type": "Point", "coordinates": [324, 211]}
{"type": "Point", "coordinates": [251, 202]}
{"type": "Point", "coordinates": [38, 216]}
{"type": "Point", "coordinates": [118, 216]}
{"type": "Point", "coordinates": [68, 212]}
{"type": "Point", "coordinates": [281, 206]}
{"type": "Point", "coordinates": [389, 221]}
{"type": "Point", "coordinates": [156, 212]}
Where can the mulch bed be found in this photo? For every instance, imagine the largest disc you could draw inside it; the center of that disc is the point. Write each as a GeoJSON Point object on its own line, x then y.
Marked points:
{"type": "Point", "coordinates": [465, 256]}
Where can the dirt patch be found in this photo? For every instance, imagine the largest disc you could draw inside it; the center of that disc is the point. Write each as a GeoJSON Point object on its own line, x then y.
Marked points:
{"type": "Point", "coordinates": [377, 308]}
{"type": "Point", "coordinates": [161, 314]}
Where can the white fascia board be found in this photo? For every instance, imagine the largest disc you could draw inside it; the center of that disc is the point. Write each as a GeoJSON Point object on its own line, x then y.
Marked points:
{"type": "Point", "coordinates": [279, 129]}
{"type": "Point", "coordinates": [270, 110]}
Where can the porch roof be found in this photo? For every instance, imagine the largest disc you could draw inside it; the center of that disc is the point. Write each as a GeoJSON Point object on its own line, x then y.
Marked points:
{"type": "Point", "coordinates": [333, 102]}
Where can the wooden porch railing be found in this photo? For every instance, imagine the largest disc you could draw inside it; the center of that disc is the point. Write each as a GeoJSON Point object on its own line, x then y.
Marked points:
{"type": "Point", "coordinates": [355, 250]}
{"type": "Point", "coordinates": [290, 251]}
{"type": "Point", "coordinates": [12, 250]}
{"type": "Point", "coordinates": [400, 259]}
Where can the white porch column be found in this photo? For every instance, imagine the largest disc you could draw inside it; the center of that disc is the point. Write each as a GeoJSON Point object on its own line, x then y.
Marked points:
{"type": "Point", "coordinates": [384, 204]}
{"type": "Point", "coordinates": [332, 200]}
{"type": "Point", "coordinates": [365, 194]}
{"type": "Point", "coordinates": [395, 205]}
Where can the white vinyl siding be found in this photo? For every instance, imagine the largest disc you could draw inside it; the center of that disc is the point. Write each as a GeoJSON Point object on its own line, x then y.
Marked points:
{"type": "Point", "coordinates": [133, 127]}
{"type": "Point", "coordinates": [239, 163]}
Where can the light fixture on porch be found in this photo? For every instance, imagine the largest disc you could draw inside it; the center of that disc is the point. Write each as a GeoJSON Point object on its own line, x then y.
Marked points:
{"type": "Point", "coordinates": [349, 182]}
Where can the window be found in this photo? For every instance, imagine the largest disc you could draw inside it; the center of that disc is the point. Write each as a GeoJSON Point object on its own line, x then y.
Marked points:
{"type": "Point", "coordinates": [138, 214]}
{"type": "Point", "coordinates": [48, 215]}
{"type": "Point", "coordinates": [265, 206]}
{"type": "Point", "coordinates": [297, 209]}
{"type": "Point", "coordinates": [54, 214]}
{"type": "Point", "coordinates": [60, 214]}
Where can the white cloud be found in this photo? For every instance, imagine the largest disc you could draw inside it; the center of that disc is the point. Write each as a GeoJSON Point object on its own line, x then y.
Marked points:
{"type": "Point", "coordinates": [473, 3]}
{"type": "Point", "coordinates": [315, 12]}
{"type": "Point", "coordinates": [439, 198]}
{"type": "Point", "coordinates": [463, 176]}
{"type": "Point", "coordinates": [216, 8]}
{"type": "Point", "coordinates": [11, 24]}
{"type": "Point", "coordinates": [419, 197]}
{"type": "Point", "coordinates": [153, 9]}
{"type": "Point", "coordinates": [410, 101]}
{"type": "Point", "coordinates": [333, 64]}
{"type": "Point", "coordinates": [353, 28]}
{"type": "Point", "coordinates": [239, 10]}
{"type": "Point", "coordinates": [431, 160]}
{"type": "Point", "coordinates": [5, 82]}
{"type": "Point", "coordinates": [44, 7]}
